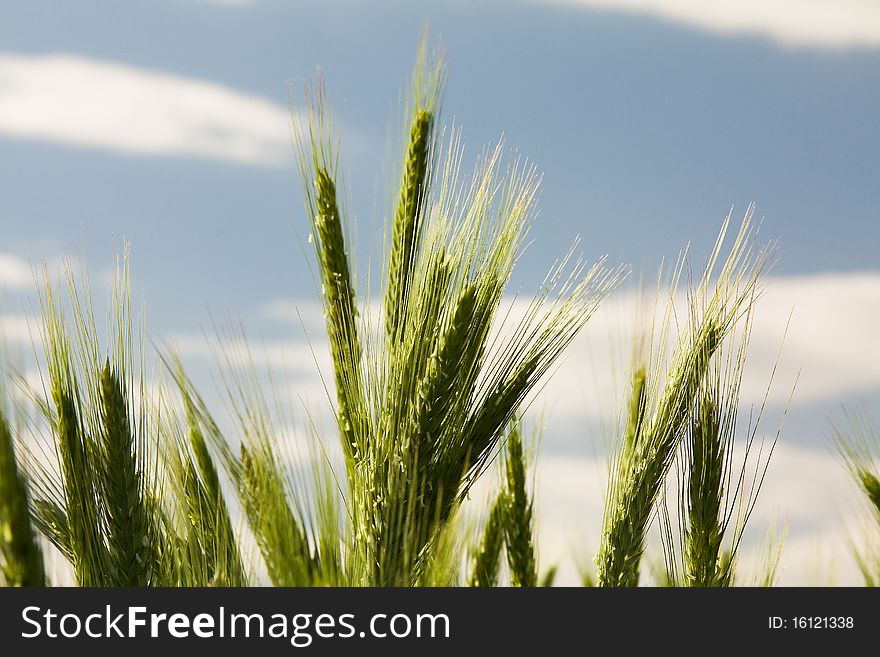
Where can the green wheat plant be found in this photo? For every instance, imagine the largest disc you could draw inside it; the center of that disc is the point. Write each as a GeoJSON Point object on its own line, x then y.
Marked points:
{"type": "Point", "coordinates": [423, 403]}
{"type": "Point", "coordinates": [130, 476]}
{"type": "Point", "coordinates": [96, 497]}
{"type": "Point", "coordinates": [299, 545]}
{"type": "Point", "coordinates": [661, 403]}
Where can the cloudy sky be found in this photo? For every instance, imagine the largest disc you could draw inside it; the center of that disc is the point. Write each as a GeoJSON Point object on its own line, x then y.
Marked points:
{"type": "Point", "coordinates": [167, 124]}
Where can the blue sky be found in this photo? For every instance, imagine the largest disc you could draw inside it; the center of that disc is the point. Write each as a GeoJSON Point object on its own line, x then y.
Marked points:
{"type": "Point", "coordinates": [647, 132]}
{"type": "Point", "coordinates": [165, 124]}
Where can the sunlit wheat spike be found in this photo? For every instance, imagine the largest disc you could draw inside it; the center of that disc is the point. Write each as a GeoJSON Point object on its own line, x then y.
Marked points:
{"type": "Point", "coordinates": [96, 504]}
{"type": "Point", "coordinates": [636, 415]}
{"type": "Point", "coordinates": [436, 391]}
{"type": "Point", "coordinates": [705, 490]}
{"type": "Point", "coordinates": [70, 494]}
{"type": "Point", "coordinates": [279, 534]}
{"type": "Point", "coordinates": [417, 171]}
{"type": "Point", "coordinates": [337, 282]}
{"type": "Point", "coordinates": [637, 475]}
{"type": "Point", "coordinates": [80, 492]}
{"type": "Point", "coordinates": [21, 558]}
{"type": "Point", "coordinates": [717, 492]}
{"type": "Point", "coordinates": [418, 499]}
{"type": "Point", "coordinates": [316, 150]}
{"type": "Point", "coordinates": [334, 258]}
{"type": "Point", "coordinates": [129, 540]}
{"type": "Point", "coordinates": [518, 519]}
{"type": "Point", "coordinates": [208, 509]}
{"type": "Point", "coordinates": [638, 479]}
{"type": "Point", "coordinates": [405, 233]}
{"type": "Point", "coordinates": [486, 559]}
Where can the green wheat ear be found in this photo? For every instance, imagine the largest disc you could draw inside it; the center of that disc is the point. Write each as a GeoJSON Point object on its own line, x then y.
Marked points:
{"type": "Point", "coordinates": [407, 225]}
{"type": "Point", "coordinates": [705, 488]}
{"type": "Point", "coordinates": [70, 496]}
{"type": "Point", "coordinates": [518, 518]}
{"type": "Point", "coordinates": [21, 558]}
{"type": "Point", "coordinates": [212, 535]}
{"type": "Point", "coordinates": [80, 492]}
{"type": "Point", "coordinates": [717, 496]}
{"type": "Point", "coordinates": [510, 525]}
{"type": "Point", "coordinates": [486, 558]}
{"type": "Point", "coordinates": [340, 302]}
{"type": "Point", "coordinates": [317, 155]}
{"type": "Point", "coordinates": [131, 555]}
{"type": "Point", "coordinates": [405, 234]}
{"type": "Point", "coordinates": [436, 391]}
{"type": "Point", "coordinates": [279, 534]}
{"type": "Point", "coordinates": [99, 505]}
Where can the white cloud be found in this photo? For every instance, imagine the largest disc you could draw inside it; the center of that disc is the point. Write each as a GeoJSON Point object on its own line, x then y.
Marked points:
{"type": "Point", "coordinates": [832, 337]}
{"type": "Point", "coordinates": [98, 104]}
{"type": "Point", "coordinates": [296, 358]}
{"type": "Point", "coordinates": [16, 329]}
{"type": "Point", "coordinates": [822, 23]}
{"type": "Point", "coordinates": [308, 316]}
{"type": "Point", "coordinates": [18, 274]}
{"type": "Point", "coordinates": [15, 272]}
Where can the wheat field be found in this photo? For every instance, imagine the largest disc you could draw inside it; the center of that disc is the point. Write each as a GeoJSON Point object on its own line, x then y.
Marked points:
{"type": "Point", "coordinates": [115, 470]}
